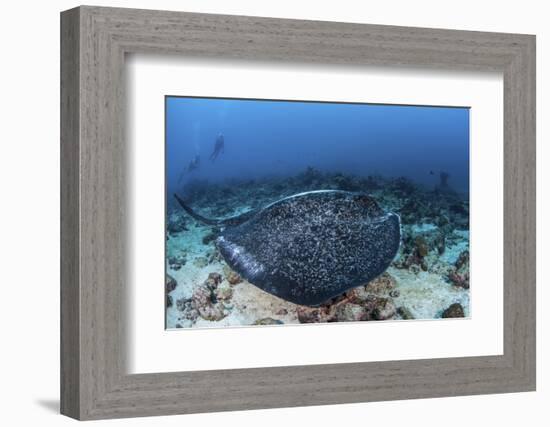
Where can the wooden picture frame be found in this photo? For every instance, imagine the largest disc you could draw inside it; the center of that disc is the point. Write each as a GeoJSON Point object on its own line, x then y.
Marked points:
{"type": "Point", "coordinates": [94, 41]}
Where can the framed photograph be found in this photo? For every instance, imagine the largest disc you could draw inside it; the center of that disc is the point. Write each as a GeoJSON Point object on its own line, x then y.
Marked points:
{"type": "Point", "coordinates": [286, 213]}
{"type": "Point", "coordinates": [302, 199]}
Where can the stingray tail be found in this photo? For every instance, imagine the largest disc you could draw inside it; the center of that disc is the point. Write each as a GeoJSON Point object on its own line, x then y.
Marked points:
{"type": "Point", "coordinates": [194, 214]}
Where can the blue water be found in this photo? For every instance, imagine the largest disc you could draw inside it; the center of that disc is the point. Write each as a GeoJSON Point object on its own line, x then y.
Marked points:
{"type": "Point", "coordinates": [280, 138]}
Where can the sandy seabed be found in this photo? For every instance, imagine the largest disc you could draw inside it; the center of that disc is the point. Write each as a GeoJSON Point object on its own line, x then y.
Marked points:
{"type": "Point", "coordinates": [425, 294]}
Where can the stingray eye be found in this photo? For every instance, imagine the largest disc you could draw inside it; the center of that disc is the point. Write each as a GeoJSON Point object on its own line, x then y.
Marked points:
{"type": "Point", "coordinates": [368, 203]}
{"type": "Point", "coordinates": [364, 199]}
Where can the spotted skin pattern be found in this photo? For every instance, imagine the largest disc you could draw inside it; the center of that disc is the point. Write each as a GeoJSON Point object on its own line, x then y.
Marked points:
{"type": "Point", "coordinates": [312, 246]}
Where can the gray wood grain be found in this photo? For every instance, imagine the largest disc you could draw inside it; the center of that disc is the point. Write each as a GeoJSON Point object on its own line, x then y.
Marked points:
{"type": "Point", "coordinates": [94, 270]}
{"type": "Point", "coordinates": [70, 332]}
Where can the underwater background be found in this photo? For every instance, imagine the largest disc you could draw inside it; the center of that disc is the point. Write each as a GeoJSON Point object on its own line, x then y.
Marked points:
{"type": "Point", "coordinates": [227, 156]}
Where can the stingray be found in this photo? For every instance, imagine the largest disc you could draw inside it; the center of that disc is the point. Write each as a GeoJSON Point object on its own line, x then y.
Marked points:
{"type": "Point", "coordinates": [309, 247]}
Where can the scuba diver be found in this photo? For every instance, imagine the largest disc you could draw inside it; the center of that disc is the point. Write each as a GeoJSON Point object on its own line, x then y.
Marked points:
{"type": "Point", "coordinates": [193, 164]}
{"type": "Point", "coordinates": [218, 147]}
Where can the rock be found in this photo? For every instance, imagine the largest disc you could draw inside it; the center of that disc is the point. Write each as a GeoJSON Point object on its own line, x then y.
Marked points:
{"type": "Point", "coordinates": [207, 307]}
{"type": "Point", "coordinates": [210, 237]}
{"type": "Point", "coordinates": [171, 283]}
{"type": "Point", "coordinates": [454, 310]}
{"type": "Point", "coordinates": [169, 301]}
{"type": "Point", "coordinates": [207, 298]}
{"type": "Point", "coordinates": [202, 296]}
{"type": "Point", "coordinates": [459, 280]}
{"type": "Point", "coordinates": [460, 208]}
{"type": "Point", "coordinates": [424, 265]}
{"type": "Point", "coordinates": [176, 223]}
{"type": "Point", "coordinates": [403, 186]}
{"type": "Point", "coordinates": [411, 261]}
{"type": "Point", "coordinates": [350, 307]}
{"type": "Point", "coordinates": [312, 315]}
{"type": "Point", "coordinates": [440, 244]}
{"type": "Point", "coordinates": [185, 305]}
{"type": "Point", "coordinates": [233, 278]}
{"type": "Point", "coordinates": [176, 262]}
{"type": "Point", "coordinates": [463, 260]}
{"type": "Point", "coordinates": [414, 268]}
{"type": "Point", "coordinates": [268, 321]}
{"type": "Point", "coordinates": [215, 255]}
{"type": "Point", "coordinates": [213, 280]}
{"type": "Point", "coordinates": [310, 176]}
{"type": "Point", "coordinates": [346, 182]}
{"type": "Point", "coordinates": [394, 293]}
{"type": "Point", "coordinates": [441, 220]}
{"type": "Point", "coordinates": [405, 313]}
{"type": "Point", "coordinates": [181, 303]}
{"type": "Point", "coordinates": [410, 211]}
{"type": "Point", "coordinates": [224, 291]}
{"type": "Point", "coordinates": [384, 309]}
{"type": "Point", "coordinates": [356, 295]}
{"type": "Point", "coordinates": [200, 262]}
{"type": "Point", "coordinates": [281, 312]}
{"type": "Point", "coordinates": [461, 222]}
{"type": "Point", "coordinates": [421, 246]}
{"type": "Point", "coordinates": [381, 285]}
{"type": "Point", "coordinates": [351, 312]}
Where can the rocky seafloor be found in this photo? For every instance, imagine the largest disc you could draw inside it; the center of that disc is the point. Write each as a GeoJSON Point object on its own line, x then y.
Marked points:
{"type": "Point", "coordinates": [429, 278]}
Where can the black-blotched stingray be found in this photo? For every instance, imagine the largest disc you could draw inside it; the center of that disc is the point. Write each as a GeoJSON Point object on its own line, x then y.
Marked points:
{"type": "Point", "coordinates": [309, 247]}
